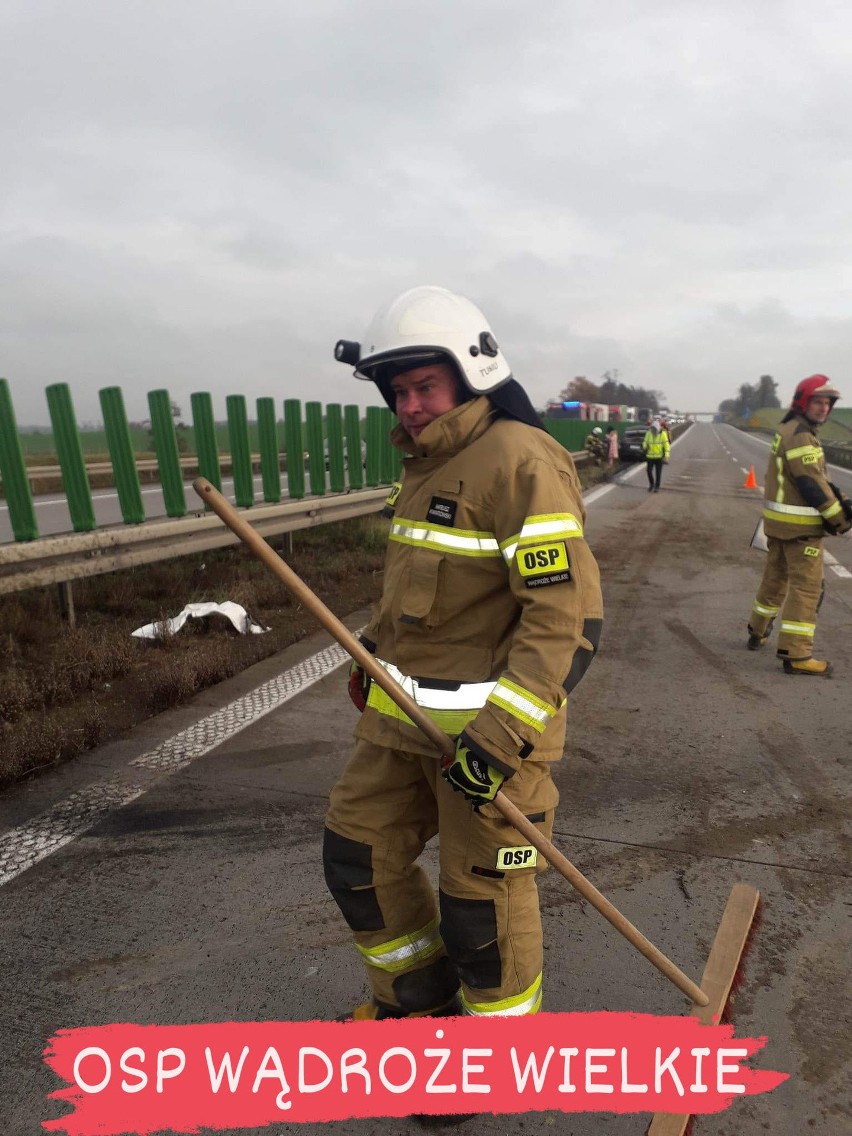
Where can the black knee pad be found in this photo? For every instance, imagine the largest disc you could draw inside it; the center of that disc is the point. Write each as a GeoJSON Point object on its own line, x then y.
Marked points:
{"type": "Point", "coordinates": [348, 867]}
{"type": "Point", "coordinates": [425, 989]}
{"type": "Point", "coordinates": [469, 931]}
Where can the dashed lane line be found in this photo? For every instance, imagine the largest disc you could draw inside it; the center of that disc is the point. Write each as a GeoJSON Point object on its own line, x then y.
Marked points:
{"type": "Point", "coordinates": [836, 566]}
{"type": "Point", "coordinates": [23, 847]}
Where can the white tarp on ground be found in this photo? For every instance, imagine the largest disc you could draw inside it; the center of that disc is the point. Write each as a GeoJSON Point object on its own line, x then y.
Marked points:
{"type": "Point", "coordinates": [237, 614]}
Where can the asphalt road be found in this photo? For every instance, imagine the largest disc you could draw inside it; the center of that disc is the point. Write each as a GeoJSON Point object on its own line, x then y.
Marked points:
{"type": "Point", "coordinates": [175, 876]}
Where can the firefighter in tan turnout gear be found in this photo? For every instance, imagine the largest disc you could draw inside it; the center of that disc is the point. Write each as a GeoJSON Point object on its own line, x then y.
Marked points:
{"type": "Point", "coordinates": [490, 614]}
{"type": "Point", "coordinates": [800, 506]}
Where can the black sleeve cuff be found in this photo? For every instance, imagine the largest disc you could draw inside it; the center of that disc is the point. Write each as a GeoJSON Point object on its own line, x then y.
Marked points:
{"type": "Point", "coordinates": [484, 755]}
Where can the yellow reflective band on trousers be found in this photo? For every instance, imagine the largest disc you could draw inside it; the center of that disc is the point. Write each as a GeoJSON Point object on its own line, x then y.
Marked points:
{"type": "Point", "coordinates": [400, 953]}
{"type": "Point", "coordinates": [441, 538]}
{"type": "Point", "coordinates": [528, 1002]}
{"type": "Point", "coordinates": [554, 526]}
{"type": "Point", "coordinates": [452, 710]}
{"type": "Point", "coordinates": [522, 704]}
{"type": "Point", "coordinates": [798, 628]}
{"type": "Point", "coordinates": [762, 609]}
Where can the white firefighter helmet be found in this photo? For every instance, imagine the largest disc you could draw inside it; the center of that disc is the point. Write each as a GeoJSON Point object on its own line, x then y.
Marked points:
{"type": "Point", "coordinates": [422, 326]}
{"type": "Point", "coordinates": [597, 430]}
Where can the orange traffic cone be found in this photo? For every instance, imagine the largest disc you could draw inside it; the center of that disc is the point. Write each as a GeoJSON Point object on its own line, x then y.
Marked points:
{"type": "Point", "coordinates": [751, 480]}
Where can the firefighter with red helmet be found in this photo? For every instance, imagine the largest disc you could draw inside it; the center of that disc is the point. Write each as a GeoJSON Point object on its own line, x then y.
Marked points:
{"type": "Point", "coordinates": [800, 507]}
{"type": "Point", "coordinates": [489, 616]}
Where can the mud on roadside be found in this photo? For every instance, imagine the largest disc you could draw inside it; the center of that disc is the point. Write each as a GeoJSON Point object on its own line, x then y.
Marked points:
{"type": "Point", "coordinates": [64, 691]}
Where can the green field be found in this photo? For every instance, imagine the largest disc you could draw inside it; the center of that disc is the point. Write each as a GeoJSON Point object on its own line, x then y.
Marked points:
{"type": "Point", "coordinates": [837, 429]}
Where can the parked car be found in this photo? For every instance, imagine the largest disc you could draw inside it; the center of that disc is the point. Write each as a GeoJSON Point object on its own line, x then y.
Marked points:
{"type": "Point", "coordinates": [630, 445]}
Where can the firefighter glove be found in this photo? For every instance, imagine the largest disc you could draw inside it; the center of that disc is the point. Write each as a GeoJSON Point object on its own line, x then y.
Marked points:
{"type": "Point", "coordinates": [469, 772]}
{"type": "Point", "coordinates": [359, 686]}
{"type": "Point", "coordinates": [359, 680]}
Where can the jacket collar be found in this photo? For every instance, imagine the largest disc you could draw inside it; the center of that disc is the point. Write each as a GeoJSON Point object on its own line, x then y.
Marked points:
{"type": "Point", "coordinates": [803, 422]}
{"type": "Point", "coordinates": [450, 432]}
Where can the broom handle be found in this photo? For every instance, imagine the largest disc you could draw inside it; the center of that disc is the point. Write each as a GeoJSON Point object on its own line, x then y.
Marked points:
{"type": "Point", "coordinates": [223, 509]}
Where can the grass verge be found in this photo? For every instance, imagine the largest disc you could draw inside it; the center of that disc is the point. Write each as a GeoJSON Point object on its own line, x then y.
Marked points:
{"type": "Point", "coordinates": [64, 691]}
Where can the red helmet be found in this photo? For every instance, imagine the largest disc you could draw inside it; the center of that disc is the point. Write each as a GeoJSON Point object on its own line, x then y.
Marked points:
{"type": "Point", "coordinates": [808, 388]}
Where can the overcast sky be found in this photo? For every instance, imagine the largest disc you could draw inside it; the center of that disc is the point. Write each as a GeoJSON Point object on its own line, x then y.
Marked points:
{"type": "Point", "coordinates": [205, 195]}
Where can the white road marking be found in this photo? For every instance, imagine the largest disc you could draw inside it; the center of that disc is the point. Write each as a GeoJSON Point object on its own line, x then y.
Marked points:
{"type": "Point", "coordinates": [25, 846]}
{"type": "Point", "coordinates": [596, 494]}
{"type": "Point", "coordinates": [836, 566]}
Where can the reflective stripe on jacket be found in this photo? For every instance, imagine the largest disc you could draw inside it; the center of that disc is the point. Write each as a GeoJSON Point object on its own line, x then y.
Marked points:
{"type": "Point", "coordinates": [797, 495]}
{"type": "Point", "coordinates": [491, 607]}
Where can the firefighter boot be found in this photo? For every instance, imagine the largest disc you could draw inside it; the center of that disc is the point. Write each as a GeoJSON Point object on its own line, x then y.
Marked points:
{"type": "Point", "coordinates": [374, 1011]}
{"type": "Point", "coordinates": [756, 639]}
{"type": "Point", "coordinates": [816, 667]}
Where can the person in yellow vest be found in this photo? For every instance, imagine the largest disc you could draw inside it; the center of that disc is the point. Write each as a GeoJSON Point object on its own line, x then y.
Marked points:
{"type": "Point", "coordinates": [656, 447]}
{"type": "Point", "coordinates": [800, 507]}
{"type": "Point", "coordinates": [490, 614]}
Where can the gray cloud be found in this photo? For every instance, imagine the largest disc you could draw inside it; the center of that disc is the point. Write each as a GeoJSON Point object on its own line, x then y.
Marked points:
{"type": "Point", "coordinates": [206, 195]}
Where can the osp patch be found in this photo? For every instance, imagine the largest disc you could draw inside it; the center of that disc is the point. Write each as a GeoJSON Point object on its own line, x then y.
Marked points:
{"type": "Point", "coordinates": [543, 564]}
{"type": "Point", "coordinates": [396, 489]}
{"type": "Point", "coordinates": [810, 550]}
{"type": "Point", "coordinates": [520, 856]}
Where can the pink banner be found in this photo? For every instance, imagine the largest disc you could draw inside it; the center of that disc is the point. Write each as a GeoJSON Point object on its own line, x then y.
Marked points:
{"type": "Point", "coordinates": [144, 1079]}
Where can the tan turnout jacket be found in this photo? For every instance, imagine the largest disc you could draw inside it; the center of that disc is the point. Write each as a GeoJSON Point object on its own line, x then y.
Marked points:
{"type": "Point", "coordinates": [797, 495]}
{"type": "Point", "coordinates": [488, 580]}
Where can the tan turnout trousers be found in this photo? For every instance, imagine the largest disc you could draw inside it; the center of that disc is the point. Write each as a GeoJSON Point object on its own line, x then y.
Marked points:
{"type": "Point", "coordinates": [792, 578]}
{"type": "Point", "coordinates": [485, 932]}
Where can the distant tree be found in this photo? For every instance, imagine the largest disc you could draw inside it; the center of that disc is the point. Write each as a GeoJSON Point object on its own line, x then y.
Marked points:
{"type": "Point", "coordinates": [611, 388]}
{"type": "Point", "coordinates": [581, 389]}
{"type": "Point", "coordinates": [752, 397]}
{"type": "Point", "coordinates": [746, 400]}
{"type": "Point", "coordinates": [767, 392]}
{"type": "Point", "coordinates": [611, 392]}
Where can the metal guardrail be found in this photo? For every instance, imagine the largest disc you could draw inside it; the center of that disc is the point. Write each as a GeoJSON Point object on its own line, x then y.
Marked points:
{"type": "Point", "coordinates": [187, 462]}
{"type": "Point", "coordinates": [74, 556]}
{"type": "Point", "coordinates": [835, 453]}
{"type": "Point", "coordinates": [61, 559]}
{"type": "Point", "coordinates": [838, 455]}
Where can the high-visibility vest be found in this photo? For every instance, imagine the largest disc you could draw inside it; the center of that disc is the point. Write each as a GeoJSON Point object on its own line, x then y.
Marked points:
{"type": "Point", "coordinates": [655, 445]}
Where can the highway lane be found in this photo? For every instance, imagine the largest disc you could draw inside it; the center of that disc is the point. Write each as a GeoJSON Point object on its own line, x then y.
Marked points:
{"type": "Point", "coordinates": [691, 763]}
{"type": "Point", "coordinates": [53, 518]}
